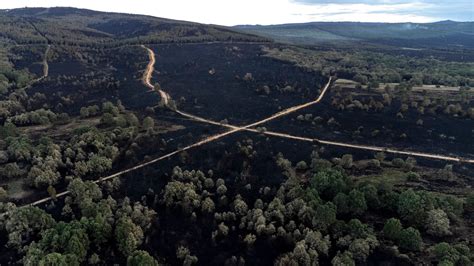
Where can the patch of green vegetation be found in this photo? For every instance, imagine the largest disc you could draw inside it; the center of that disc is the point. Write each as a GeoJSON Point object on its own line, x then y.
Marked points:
{"type": "Point", "coordinates": [389, 176]}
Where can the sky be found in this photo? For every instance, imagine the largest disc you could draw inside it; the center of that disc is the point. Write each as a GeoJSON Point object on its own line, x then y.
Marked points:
{"type": "Point", "coordinates": [266, 12]}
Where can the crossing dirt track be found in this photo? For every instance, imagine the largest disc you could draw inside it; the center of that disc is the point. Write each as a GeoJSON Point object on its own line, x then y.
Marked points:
{"type": "Point", "coordinates": [166, 99]}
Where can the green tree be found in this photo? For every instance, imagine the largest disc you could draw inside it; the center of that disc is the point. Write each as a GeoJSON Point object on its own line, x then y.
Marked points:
{"type": "Point", "coordinates": [437, 223]}
{"type": "Point", "coordinates": [357, 203]}
{"type": "Point", "coordinates": [99, 164]}
{"type": "Point", "coordinates": [411, 207]}
{"type": "Point", "coordinates": [183, 254]}
{"type": "Point", "coordinates": [132, 120]}
{"type": "Point", "coordinates": [392, 229]}
{"type": "Point", "coordinates": [325, 216]}
{"type": "Point", "coordinates": [347, 161]}
{"type": "Point", "coordinates": [341, 201]}
{"type": "Point", "coordinates": [84, 112]}
{"type": "Point", "coordinates": [447, 254]}
{"type": "Point", "coordinates": [328, 183]}
{"type": "Point", "coordinates": [24, 224]}
{"type": "Point", "coordinates": [410, 239]}
{"type": "Point", "coordinates": [8, 130]}
{"type": "Point", "coordinates": [3, 194]}
{"type": "Point", "coordinates": [360, 249]}
{"type": "Point", "coordinates": [371, 196]}
{"type": "Point", "coordinates": [57, 259]}
{"type": "Point", "coordinates": [141, 258]}
{"type": "Point", "coordinates": [108, 107]}
{"type": "Point", "coordinates": [343, 259]}
{"type": "Point", "coordinates": [470, 203]}
{"type": "Point", "coordinates": [99, 229]}
{"type": "Point", "coordinates": [108, 119]}
{"type": "Point", "coordinates": [128, 235]}
{"type": "Point", "coordinates": [357, 229]}
{"type": "Point", "coordinates": [148, 123]}
{"type": "Point", "coordinates": [84, 191]}
{"type": "Point", "coordinates": [66, 238]}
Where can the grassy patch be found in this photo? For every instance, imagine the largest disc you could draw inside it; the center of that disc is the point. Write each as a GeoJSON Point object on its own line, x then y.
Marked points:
{"type": "Point", "coordinates": [388, 176]}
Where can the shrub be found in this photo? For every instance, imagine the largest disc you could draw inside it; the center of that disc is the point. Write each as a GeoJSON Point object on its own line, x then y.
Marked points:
{"type": "Point", "coordinates": [392, 229]}
{"type": "Point", "coordinates": [357, 203]}
{"type": "Point", "coordinates": [412, 176]}
{"type": "Point", "coordinates": [301, 166]}
{"type": "Point", "coordinates": [410, 239]}
{"type": "Point", "coordinates": [329, 182]}
{"type": "Point", "coordinates": [411, 207]}
{"type": "Point", "coordinates": [437, 223]}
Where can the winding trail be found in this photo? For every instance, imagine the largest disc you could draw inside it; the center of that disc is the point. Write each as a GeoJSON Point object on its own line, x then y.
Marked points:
{"type": "Point", "coordinates": [147, 75]}
{"type": "Point", "coordinates": [45, 69]}
{"type": "Point", "coordinates": [250, 128]}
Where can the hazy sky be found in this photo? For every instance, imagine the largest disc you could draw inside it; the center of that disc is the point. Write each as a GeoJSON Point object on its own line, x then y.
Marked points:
{"type": "Point", "coordinates": [232, 12]}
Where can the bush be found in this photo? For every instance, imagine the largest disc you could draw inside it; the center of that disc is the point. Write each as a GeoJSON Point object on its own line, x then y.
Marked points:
{"type": "Point", "coordinates": [449, 255]}
{"type": "Point", "coordinates": [411, 207]}
{"type": "Point", "coordinates": [329, 183]}
{"type": "Point", "coordinates": [344, 259]}
{"type": "Point", "coordinates": [410, 239]}
{"type": "Point", "coordinates": [347, 161]}
{"type": "Point", "coordinates": [3, 194]}
{"type": "Point", "coordinates": [148, 123]}
{"type": "Point", "coordinates": [470, 203]}
{"type": "Point", "coordinates": [392, 229]}
{"type": "Point", "coordinates": [141, 257]}
{"type": "Point", "coordinates": [437, 223]}
{"type": "Point", "coordinates": [357, 203]}
{"type": "Point", "coordinates": [398, 162]}
{"type": "Point", "coordinates": [413, 177]}
{"type": "Point", "coordinates": [301, 166]}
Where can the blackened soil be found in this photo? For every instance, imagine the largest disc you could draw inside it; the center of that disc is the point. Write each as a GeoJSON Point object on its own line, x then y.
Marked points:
{"type": "Point", "coordinates": [184, 71]}
{"type": "Point", "coordinates": [458, 131]}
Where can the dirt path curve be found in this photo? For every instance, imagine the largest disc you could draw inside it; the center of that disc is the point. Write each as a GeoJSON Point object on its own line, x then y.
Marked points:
{"type": "Point", "coordinates": [45, 68]}
{"type": "Point", "coordinates": [147, 75]}
{"type": "Point", "coordinates": [166, 99]}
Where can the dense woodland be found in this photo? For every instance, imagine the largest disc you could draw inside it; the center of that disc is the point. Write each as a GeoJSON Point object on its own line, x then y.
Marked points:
{"type": "Point", "coordinates": [77, 27]}
{"type": "Point", "coordinates": [327, 218]}
{"type": "Point", "coordinates": [238, 202]}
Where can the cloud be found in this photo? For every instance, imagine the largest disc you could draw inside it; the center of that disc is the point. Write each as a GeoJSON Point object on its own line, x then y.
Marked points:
{"type": "Point", "coordinates": [376, 2]}
{"type": "Point", "coordinates": [431, 10]}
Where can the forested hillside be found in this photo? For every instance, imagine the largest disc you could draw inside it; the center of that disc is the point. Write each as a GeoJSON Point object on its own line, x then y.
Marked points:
{"type": "Point", "coordinates": [444, 34]}
{"type": "Point", "coordinates": [90, 28]}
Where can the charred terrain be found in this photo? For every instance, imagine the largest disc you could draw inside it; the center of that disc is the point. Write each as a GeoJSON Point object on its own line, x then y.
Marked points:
{"type": "Point", "coordinates": [136, 140]}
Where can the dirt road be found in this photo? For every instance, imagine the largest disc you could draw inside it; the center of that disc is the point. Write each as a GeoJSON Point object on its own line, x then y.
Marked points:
{"type": "Point", "coordinates": [233, 129]}
{"type": "Point", "coordinates": [291, 110]}
{"type": "Point", "coordinates": [45, 69]}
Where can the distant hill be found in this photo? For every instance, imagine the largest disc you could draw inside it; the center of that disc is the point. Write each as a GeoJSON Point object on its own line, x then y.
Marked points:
{"type": "Point", "coordinates": [86, 27]}
{"type": "Point", "coordinates": [440, 34]}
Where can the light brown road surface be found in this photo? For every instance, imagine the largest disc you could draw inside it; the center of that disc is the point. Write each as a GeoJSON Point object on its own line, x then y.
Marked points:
{"type": "Point", "coordinates": [45, 69]}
